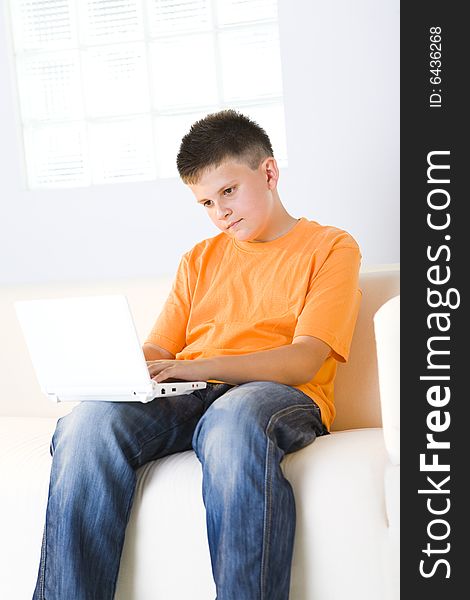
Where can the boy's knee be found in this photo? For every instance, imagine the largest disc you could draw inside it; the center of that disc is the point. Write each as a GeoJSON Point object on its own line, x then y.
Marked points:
{"type": "Point", "coordinates": [87, 425]}
{"type": "Point", "coordinates": [228, 428]}
{"type": "Point", "coordinates": [241, 421]}
{"type": "Point", "coordinates": [222, 451]}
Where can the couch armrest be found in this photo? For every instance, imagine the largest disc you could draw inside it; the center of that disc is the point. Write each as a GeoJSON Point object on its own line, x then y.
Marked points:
{"type": "Point", "coordinates": [387, 338]}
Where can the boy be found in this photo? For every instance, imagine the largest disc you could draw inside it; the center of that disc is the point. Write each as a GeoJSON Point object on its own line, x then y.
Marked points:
{"type": "Point", "coordinates": [263, 312]}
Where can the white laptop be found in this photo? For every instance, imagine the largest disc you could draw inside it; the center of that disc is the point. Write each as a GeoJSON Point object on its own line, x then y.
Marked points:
{"type": "Point", "coordinates": [87, 348]}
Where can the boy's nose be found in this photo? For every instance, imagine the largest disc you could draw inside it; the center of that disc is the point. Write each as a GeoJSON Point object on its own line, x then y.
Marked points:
{"type": "Point", "coordinates": [223, 212]}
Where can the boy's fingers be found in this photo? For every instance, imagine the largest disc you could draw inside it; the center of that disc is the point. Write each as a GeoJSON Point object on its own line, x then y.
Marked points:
{"type": "Point", "coordinates": [154, 369]}
{"type": "Point", "coordinates": [161, 376]}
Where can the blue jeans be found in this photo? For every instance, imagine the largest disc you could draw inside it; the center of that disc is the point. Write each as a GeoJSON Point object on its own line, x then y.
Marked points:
{"type": "Point", "coordinates": [240, 435]}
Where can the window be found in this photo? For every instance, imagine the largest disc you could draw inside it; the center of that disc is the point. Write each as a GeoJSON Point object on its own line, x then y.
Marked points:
{"type": "Point", "coordinates": [107, 88]}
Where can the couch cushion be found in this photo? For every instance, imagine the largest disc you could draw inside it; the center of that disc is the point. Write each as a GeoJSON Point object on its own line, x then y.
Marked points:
{"type": "Point", "coordinates": [342, 525]}
{"type": "Point", "coordinates": [387, 335]}
{"type": "Point", "coordinates": [338, 485]}
{"type": "Point", "coordinates": [24, 477]}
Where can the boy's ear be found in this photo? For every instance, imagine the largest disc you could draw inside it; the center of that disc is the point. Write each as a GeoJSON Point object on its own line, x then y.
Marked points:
{"type": "Point", "coordinates": [271, 171]}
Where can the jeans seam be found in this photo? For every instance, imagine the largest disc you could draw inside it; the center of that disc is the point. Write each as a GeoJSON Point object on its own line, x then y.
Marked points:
{"type": "Point", "coordinates": [43, 557]}
{"type": "Point", "coordinates": [42, 569]}
{"type": "Point", "coordinates": [128, 511]}
{"type": "Point", "coordinates": [268, 490]}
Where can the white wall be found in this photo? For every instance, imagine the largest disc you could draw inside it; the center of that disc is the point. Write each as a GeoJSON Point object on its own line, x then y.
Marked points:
{"type": "Point", "coordinates": [341, 84]}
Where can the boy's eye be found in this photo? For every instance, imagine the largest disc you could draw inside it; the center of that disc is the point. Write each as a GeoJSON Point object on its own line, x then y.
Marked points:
{"type": "Point", "coordinates": [207, 202]}
{"type": "Point", "coordinates": [228, 191]}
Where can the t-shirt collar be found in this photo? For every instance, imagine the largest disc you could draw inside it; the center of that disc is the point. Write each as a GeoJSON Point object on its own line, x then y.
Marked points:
{"type": "Point", "coordinates": [279, 242]}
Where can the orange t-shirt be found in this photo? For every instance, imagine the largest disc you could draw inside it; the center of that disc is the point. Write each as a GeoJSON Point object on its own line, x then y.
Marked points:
{"type": "Point", "coordinates": [231, 297]}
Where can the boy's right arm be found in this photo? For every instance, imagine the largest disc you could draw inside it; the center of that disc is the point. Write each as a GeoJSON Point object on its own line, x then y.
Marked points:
{"type": "Point", "coordinates": [154, 352]}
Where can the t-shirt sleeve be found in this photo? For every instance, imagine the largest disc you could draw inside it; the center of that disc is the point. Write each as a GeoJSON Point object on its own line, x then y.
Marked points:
{"type": "Point", "coordinates": [332, 302]}
{"type": "Point", "coordinates": [169, 330]}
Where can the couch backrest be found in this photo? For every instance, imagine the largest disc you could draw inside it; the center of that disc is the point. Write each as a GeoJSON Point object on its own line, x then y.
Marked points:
{"type": "Point", "coordinates": [357, 385]}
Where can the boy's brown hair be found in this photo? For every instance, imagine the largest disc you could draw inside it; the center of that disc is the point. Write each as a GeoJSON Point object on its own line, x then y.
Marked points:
{"type": "Point", "coordinates": [218, 137]}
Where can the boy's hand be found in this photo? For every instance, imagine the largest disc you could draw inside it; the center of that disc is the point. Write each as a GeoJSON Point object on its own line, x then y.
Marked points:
{"type": "Point", "coordinates": [189, 370]}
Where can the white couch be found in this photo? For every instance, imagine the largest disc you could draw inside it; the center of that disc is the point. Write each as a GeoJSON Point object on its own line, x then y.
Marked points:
{"type": "Point", "coordinates": [346, 484]}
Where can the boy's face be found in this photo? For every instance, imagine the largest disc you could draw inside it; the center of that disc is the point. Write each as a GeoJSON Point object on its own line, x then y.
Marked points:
{"type": "Point", "coordinates": [241, 201]}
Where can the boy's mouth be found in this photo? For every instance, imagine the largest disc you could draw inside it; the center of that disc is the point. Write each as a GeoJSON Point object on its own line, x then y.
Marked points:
{"type": "Point", "coordinates": [233, 223]}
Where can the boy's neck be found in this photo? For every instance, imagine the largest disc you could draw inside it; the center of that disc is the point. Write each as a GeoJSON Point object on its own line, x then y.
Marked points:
{"type": "Point", "coordinates": [281, 223]}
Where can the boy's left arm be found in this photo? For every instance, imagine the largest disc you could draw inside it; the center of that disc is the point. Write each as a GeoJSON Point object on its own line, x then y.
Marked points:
{"type": "Point", "coordinates": [292, 364]}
